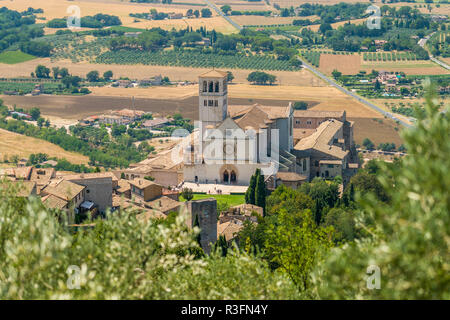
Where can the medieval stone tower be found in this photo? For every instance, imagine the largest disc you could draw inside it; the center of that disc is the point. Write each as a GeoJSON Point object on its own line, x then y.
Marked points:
{"type": "Point", "coordinates": [213, 98]}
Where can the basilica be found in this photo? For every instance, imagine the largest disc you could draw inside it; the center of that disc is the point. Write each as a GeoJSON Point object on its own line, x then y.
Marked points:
{"type": "Point", "coordinates": [289, 146]}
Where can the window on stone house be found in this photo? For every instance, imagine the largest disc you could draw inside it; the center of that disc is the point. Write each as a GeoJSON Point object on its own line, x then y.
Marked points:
{"type": "Point", "coordinates": [205, 103]}
{"type": "Point", "coordinates": [216, 103]}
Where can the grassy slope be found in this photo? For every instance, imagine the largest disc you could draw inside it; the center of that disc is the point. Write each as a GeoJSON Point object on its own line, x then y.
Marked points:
{"type": "Point", "coordinates": [230, 199]}
{"type": "Point", "coordinates": [13, 57]}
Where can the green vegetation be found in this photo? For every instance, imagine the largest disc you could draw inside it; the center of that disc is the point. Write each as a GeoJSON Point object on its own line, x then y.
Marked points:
{"type": "Point", "coordinates": [228, 200]}
{"type": "Point", "coordinates": [13, 57]}
{"type": "Point", "coordinates": [189, 58]}
{"type": "Point", "coordinates": [311, 244]}
{"type": "Point", "coordinates": [19, 31]}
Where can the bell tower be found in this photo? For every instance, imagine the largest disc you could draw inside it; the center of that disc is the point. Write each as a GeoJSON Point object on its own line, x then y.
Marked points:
{"type": "Point", "coordinates": [213, 98]}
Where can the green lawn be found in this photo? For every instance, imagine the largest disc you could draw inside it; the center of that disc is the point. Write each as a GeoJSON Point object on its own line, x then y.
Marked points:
{"type": "Point", "coordinates": [223, 200]}
{"type": "Point", "coordinates": [12, 57]}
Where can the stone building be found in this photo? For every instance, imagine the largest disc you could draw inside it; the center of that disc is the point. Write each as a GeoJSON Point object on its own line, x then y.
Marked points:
{"type": "Point", "coordinates": [206, 210]}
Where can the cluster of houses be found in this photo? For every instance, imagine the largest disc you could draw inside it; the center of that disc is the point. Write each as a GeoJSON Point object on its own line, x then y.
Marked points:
{"type": "Point", "coordinates": [86, 196]}
{"type": "Point", "coordinates": [125, 117]}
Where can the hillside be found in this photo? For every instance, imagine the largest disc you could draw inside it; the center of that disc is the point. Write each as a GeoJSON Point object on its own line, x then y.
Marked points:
{"type": "Point", "coordinates": [16, 144]}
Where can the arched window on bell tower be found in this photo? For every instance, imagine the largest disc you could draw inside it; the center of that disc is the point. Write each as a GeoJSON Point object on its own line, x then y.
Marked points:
{"type": "Point", "coordinates": [217, 86]}
{"type": "Point", "coordinates": [205, 86]}
{"type": "Point", "coordinates": [211, 86]}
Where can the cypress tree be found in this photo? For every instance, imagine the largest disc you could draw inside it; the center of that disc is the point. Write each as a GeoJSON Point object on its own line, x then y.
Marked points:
{"type": "Point", "coordinates": [197, 224]}
{"type": "Point", "coordinates": [250, 193]}
{"type": "Point", "coordinates": [260, 192]}
{"type": "Point", "coordinates": [352, 192]}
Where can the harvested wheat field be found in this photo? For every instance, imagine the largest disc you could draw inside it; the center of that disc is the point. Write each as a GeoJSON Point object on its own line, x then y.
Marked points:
{"type": "Point", "coordinates": [335, 25]}
{"type": "Point", "coordinates": [218, 23]}
{"type": "Point", "coordinates": [347, 64]}
{"type": "Point", "coordinates": [378, 130]}
{"type": "Point", "coordinates": [267, 21]}
{"type": "Point", "coordinates": [418, 67]}
{"type": "Point", "coordinates": [302, 77]}
{"type": "Point", "coordinates": [58, 9]}
{"type": "Point", "coordinates": [296, 3]}
{"type": "Point", "coordinates": [16, 144]}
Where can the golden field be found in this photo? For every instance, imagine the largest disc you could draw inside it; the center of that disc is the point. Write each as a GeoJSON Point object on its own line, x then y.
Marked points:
{"type": "Point", "coordinates": [16, 144]}
{"type": "Point", "coordinates": [302, 77]}
{"type": "Point", "coordinates": [122, 9]}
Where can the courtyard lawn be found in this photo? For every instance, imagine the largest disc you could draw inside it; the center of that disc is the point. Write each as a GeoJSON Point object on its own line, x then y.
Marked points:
{"type": "Point", "coordinates": [13, 57]}
{"type": "Point", "coordinates": [223, 200]}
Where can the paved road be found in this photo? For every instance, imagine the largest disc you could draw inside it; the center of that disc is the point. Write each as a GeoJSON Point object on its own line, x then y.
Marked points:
{"type": "Point", "coordinates": [352, 94]}
{"type": "Point", "coordinates": [215, 8]}
{"type": "Point", "coordinates": [422, 42]}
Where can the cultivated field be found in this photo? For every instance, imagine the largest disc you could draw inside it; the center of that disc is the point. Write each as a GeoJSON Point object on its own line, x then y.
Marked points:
{"type": "Point", "coordinates": [169, 100]}
{"type": "Point", "coordinates": [301, 77]}
{"type": "Point", "coordinates": [261, 20]}
{"type": "Point", "coordinates": [122, 9]}
{"type": "Point", "coordinates": [347, 64]}
{"type": "Point", "coordinates": [16, 144]}
{"type": "Point", "coordinates": [377, 130]}
{"type": "Point", "coordinates": [419, 67]}
{"type": "Point", "coordinates": [336, 24]}
{"type": "Point", "coordinates": [296, 3]}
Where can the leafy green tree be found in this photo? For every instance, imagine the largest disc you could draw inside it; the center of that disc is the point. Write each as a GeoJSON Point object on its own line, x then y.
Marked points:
{"type": "Point", "coordinates": [225, 9]}
{"type": "Point", "coordinates": [230, 76]}
{"type": "Point", "coordinates": [368, 144]}
{"type": "Point", "coordinates": [35, 113]}
{"type": "Point", "coordinates": [407, 237]}
{"type": "Point", "coordinates": [206, 13]}
{"type": "Point", "coordinates": [300, 105]}
{"type": "Point", "coordinates": [107, 75]}
{"type": "Point", "coordinates": [159, 262]}
{"type": "Point", "coordinates": [42, 72]}
{"type": "Point", "coordinates": [296, 244]}
{"type": "Point", "coordinates": [93, 76]}
{"type": "Point", "coordinates": [40, 122]}
{"type": "Point", "coordinates": [187, 194]}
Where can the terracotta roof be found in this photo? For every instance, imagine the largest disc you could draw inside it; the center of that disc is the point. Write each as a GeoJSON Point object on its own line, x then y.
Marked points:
{"type": "Point", "coordinates": [123, 186]}
{"type": "Point", "coordinates": [141, 183]}
{"type": "Point", "coordinates": [164, 204]}
{"type": "Point", "coordinates": [42, 176]}
{"type": "Point", "coordinates": [248, 209]}
{"type": "Point", "coordinates": [93, 175]}
{"type": "Point", "coordinates": [154, 122]}
{"type": "Point", "coordinates": [23, 172]}
{"type": "Point", "coordinates": [213, 74]}
{"type": "Point", "coordinates": [302, 133]}
{"type": "Point", "coordinates": [330, 162]}
{"type": "Point", "coordinates": [53, 202]}
{"type": "Point", "coordinates": [151, 214]}
{"type": "Point", "coordinates": [24, 188]}
{"type": "Point", "coordinates": [318, 114]}
{"type": "Point", "coordinates": [229, 229]}
{"type": "Point", "coordinates": [321, 139]}
{"type": "Point", "coordinates": [258, 116]}
{"type": "Point", "coordinates": [290, 176]}
{"type": "Point", "coordinates": [63, 189]}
